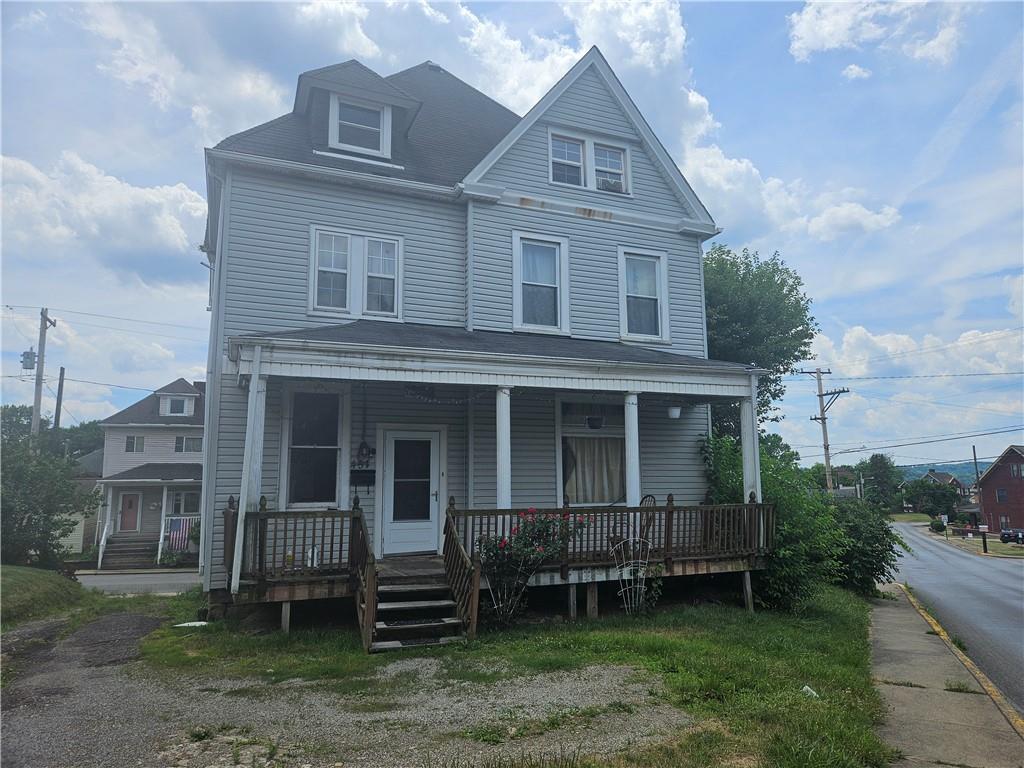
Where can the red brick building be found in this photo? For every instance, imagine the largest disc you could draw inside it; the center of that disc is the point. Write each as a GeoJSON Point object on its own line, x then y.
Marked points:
{"type": "Point", "coordinates": [1002, 490]}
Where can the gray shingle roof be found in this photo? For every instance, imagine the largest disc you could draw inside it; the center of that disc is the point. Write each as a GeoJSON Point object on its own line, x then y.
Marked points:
{"type": "Point", "coordinates": [454, 127]}
{"type": "Point", "coordinates": [450, 338]}
{"type": "Point", "coordinates": [147, 410]}
{"type": "Point", "coordinates": [159, 471]}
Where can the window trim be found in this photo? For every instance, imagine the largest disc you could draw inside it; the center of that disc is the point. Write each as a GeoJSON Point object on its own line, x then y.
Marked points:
{"type": "Point", "coordinates": [182, 440]}
{"type": "Point", "coordinates": [583, 164]}
{"type": "Point", "coordinates": [182, 493]}
{"type": "Point", "coordinates": [590, 162]}
{"type": "Point", "coordinates": [664, 319]}
{"type": "Point", "coordinates": [138, 443]}
{"type": "Point", "coordinates": [564, 327]}
{"type": "Point", "coordinates": [342, 487]}
{"type": "Point", "coordinates": [385, 126]}
{"type": "Point", "coordinates": [1006, 496]}
{"type": "Point", "coordinates": [563, 431]}
{"type": "Point", "coordinates": [357, 272]}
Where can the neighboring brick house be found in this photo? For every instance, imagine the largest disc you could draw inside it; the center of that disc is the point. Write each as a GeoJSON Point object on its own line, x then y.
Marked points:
{"type": "Point", "coordinates": [1002, 490]}
{"type": "Point", "coordinates": [945, 478]}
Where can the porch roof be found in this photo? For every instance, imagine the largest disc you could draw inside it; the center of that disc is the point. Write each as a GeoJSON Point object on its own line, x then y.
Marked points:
{"type": "Point", "coordinates": [375, 350]}
{"type": "Point", "coordinates": [159, 472]}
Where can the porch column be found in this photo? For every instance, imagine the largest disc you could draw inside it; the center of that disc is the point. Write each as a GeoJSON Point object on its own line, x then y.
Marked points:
{"type": "Point", "coordinates": [632, 451]}
{"type": "Point", "coordinates": [163, 526]}
{"type": "Point", "coordinates": [503, 409]}
{"type": "Point", "coordinates": [749, 446]}
{"type": "Point", "coordinates": [252, 460]}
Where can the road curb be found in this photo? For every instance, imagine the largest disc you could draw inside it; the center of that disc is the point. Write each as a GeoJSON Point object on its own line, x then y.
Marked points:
{"type": "Point", "coordinates": [972, 552]}
{"type": "Point", "coordinates": [1015, 720]}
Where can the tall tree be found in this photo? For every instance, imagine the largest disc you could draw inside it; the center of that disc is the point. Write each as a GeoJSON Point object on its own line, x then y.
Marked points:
{"type": "Point", "coordinates": [881, 478]}
{"type": "Point", "coordinates": [757, 312]}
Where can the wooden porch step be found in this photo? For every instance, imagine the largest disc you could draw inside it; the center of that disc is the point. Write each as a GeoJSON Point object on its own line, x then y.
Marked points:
{"type": "Point", "coordinates": [395, 645]}
{"type": "Point", "coordinates": [399, 588]}
{"type": "Point", "coordinates": [413, 605]}
{"type": "Point", "coordinates": [426, 624]}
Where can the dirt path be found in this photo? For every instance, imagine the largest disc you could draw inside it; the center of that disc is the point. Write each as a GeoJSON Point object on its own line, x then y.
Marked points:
{"type": "Point", "coordinates": [85, 701]}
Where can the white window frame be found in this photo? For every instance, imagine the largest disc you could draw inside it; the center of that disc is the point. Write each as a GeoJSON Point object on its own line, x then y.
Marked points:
{"type": "Point", "coordinates": [562, 272]}
{"type": "Point", "coordinates": [138, 443]}
{"type": "Point", "coordinates": [170, 406]}
{"type": "Point", "coordinates": [590, 161]}
{"type": "Point", "coordinates": [179, 496]}
{"type": "Point", "coordinates": [563, 431]}
{"type": "Point", "coordinates": [343, 391]}
{"type": "Point", "coordinates": [357, 271]}
{"type": "Point", "coordinates": [182, 440]}
{"type": "Point", "coordinates": [368, 274]}
{"type": "Point", "coordinates": [385, 126]}
{"type": "Point", "coordinates": [665, 335]}
{"type": "Point", "coordinates": [623, 173]}
{"type": "Point", "coordinates": [583, 164]}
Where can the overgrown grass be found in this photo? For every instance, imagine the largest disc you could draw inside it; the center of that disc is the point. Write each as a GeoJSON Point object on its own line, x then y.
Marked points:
{"type": "Point", "coordinates": [959, 686]}
{"type": "Point", "coordinates": [909, 517]}
{"type": "Point", "coordinates": [739, 675]}
{"type": "Point", "coordinates": [34, 593]}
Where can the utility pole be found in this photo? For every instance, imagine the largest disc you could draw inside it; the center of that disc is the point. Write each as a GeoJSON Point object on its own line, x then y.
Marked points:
{"type": "Point", "coordinates": [977, 481]}
{"type": "Point", "coordinates": [45, 323]}
{"type": "Point", "coordinates": [60, 399]}
{"type": "Point", "coordinates": [823, 406]}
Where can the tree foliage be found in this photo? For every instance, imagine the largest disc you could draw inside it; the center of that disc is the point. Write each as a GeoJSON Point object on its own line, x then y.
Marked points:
{"type": "Point", "coordinates": [73, 441]}
{"type": "Point", "coordinates": [41, 499]}
{"type": "Point", "coordinates": [871, 547]}
{"type": "Point", "coordinates": [881, 478]}
{"type": "Point", "coordinates": [931, 498]}
{"type": "Point", "coordinates": [757, 312]}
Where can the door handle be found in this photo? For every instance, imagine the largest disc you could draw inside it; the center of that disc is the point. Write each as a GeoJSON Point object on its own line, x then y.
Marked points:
{"type": "Point", "coordinates": [434, 494]}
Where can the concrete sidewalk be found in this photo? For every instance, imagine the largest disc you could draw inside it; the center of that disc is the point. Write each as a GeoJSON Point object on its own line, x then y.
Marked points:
{"type": "Point", "coordinates": [930, 724]}
{"type": "Point", "coordinates": [162, 582]}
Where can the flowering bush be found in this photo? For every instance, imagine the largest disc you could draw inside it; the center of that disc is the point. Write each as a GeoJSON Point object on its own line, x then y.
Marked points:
{"type": "Point", "coordinates": [509, 561]}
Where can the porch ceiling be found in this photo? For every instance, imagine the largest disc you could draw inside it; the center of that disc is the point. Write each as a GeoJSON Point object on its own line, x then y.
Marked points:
{"type": "Point", "coordinates": [367, 350]}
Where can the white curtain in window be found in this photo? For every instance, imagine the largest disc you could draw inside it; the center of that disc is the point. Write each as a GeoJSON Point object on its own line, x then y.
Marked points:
{"type": "Point", "coordinates": [594, 469]}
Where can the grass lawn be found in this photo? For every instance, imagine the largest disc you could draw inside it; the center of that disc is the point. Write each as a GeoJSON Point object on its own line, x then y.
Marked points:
{"type": "Point", "coordinates": [32, 593]}
{"type": "Point", "coordinates": [995, 546]}
{"type": "Point", "coordinates": [739, 676]}
{"type": "Point", "coordinates": [910, 517]}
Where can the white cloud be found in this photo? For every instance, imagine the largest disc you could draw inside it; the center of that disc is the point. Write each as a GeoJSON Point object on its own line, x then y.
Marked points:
{"type": "Point", "coordinates": [830, 26]}
{"type": "Point", "coordinates": [30, 20]}
{"type": "Point", "coordinates": [854, 72]}
{"type": "Point", "coordinates": [220, 96]}
{"type": "Point", "coordinates": [345, 18]}
{"type": "Point", "coordinates": [428, 10]}
{"type": "Point", "coordinates": [140, 358]}
{"type": "Point", "coordinates": [75, 208]}
{"type": "Point", "coordinates": [850, 217]}
{"type": "Point", "coordinates": [638, 34]}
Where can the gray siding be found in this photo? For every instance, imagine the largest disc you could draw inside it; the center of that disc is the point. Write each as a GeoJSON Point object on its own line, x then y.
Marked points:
{"type": "Point", "coordinates": [587, 106]}
{"type": "Point", "coordinates": [158, 448]}
{"type": "Point", "coordinates": [594, 266]}
{"type": "Point", "coordinates": [268, 250]}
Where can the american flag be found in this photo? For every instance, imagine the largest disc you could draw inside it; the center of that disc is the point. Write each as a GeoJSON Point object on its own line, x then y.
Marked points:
{"type": "Point", "coordinates": [177, 535]}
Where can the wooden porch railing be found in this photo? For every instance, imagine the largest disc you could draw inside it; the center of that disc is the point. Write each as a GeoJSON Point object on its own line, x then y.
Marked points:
{"type": "Point", "coordinates": [462, 572]}
{"type": "Point", "coordinates": [363, 572]}
{"type": "Point", "coordinates": [706, 532]}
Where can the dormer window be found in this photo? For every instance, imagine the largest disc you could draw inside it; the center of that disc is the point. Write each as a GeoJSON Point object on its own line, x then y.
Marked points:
{"type": "Point", "coordinates": [358, 126]}
{"type": "Point", "coordinates": [176, 406]}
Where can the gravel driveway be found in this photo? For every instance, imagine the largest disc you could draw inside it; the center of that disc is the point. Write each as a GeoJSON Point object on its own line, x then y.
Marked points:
{"type": "Point", "coordinates": [86, 701]}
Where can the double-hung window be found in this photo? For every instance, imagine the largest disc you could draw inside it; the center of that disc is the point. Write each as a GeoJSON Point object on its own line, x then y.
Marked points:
{"type": "Point", "coordinates": [360, 126]}
{"type": "Point", "coordinates": [567, 161]}
{"type": "Point", "coordinates": [134, 444]}
{"type": "Point", "coordinates": [184, 444]}
{"type": "Point", "coordinates": [185, 504]}
{"type": "Point", "coordinates": [354, 274]}
{"type": "Point", "coordinates": [643, 299]}
{"type": "Point", "coordinates": [1001, 496]}
{"type": "Point", "coordinates": [176, 406]}
{"type": "Point", "coordinates": [610, 168]}
{"type": "Point", "coordinates": [540, 271]}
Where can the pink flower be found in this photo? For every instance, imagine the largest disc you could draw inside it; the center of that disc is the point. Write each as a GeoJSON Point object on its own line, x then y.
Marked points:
{"type": "Point", "coordinates": [502, 543]}
{"type": "Point", "coordinates": [515, 530]}
{"type": "Point", "coordinates": [522, 515]}
{"type": "Point", "coordinates": [540, 549]}
{"type": "Point", "coordinates": [579, 518]}
{"type": "Point", "coordinates": [532, 510]}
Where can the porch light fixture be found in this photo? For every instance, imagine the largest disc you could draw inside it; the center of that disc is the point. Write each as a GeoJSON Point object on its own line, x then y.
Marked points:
{"type": "Point", "coordinates": [675, 411]}
{"type": "Point", "coordinates": [364, 453]}
{"type": "Point", "coordinates": [595, 422]}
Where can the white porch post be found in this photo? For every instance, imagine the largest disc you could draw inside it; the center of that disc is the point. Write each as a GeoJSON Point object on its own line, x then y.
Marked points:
{"type": "Point", "coordinates": [749, 445]}
{"type": "Point", "coordinates": [503, 409]}
{"type": "Point", "coordinates": [632, 450]}
{"type": "Point", "coordinates": [106, 526]}
{"type": "Point", "coordinates": [252, 460]}
{"type": "Point", "coordinates": [163, 526]}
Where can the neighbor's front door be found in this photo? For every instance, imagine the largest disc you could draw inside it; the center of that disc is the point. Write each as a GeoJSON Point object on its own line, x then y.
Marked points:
{"type": "Point", "coordinates": [129, 518]}
{"type": "Point", "coordinates": [412, 483]}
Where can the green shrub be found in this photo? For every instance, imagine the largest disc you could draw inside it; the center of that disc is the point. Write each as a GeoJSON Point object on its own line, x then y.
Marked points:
{"type": "Point", "coordinates": [937, 525]}
{"type": "Point", "coordinates": [807, 540]}
{"type": "Point", "coordinates": [871, 546]}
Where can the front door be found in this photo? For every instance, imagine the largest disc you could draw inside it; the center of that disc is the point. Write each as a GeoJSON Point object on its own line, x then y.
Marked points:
{"type": "Point", "coordinates": [412, 485]}
{"type": "Point", "coordinates": [129, 517]}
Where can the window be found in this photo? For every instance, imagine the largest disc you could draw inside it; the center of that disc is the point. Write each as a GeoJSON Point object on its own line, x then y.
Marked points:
{"type": "Point", "coordinates": [134, 444]}
{"type": "Point", "coordinates": [593, 453]}
{"type": "Point", "coordinates": [360, 127]}
{"type": "Point", "coordinates": [610, 168]}
{"type": "Point", "coordinates": [540, 272]}
{"type": "Point", "coordinates": [643, 289]}
{"type": "Point", "coordinates": [567, 161]}
{"type": "Point", "coordinates": [579, 161]}
{"type": "Point", "coordinates": [313, 449]}
{"type": "Point", "coordinates": [185, 504]}
{"type": "Point", "coordinates": [1004, 522]}
{"type": "Point", "coordinates": [1015, 470]}
{"type": "Point", "coordinates": [354, 274]}
{"type": "Point", "coordinates": [381, 271]}
{"type": "Point", "coordinates": [188, 444]}
{"type": "Point", "coordinates": [176, 406]}
{"type": "Point", "coordinates": [1001, 496]}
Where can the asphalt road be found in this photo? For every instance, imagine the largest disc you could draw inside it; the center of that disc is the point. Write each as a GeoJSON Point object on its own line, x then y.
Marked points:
{"type": "Point", "coordinates": [978, 599]}
{"type": "Point", "coordinates": [162, 582]}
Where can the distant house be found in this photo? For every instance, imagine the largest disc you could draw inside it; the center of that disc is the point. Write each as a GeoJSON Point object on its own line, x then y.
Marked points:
{"type": "Point", "coordinates": [152, 476]}
{"type": "Point", "coordinates": [88, 470]}
{"type": "Point", "coordinates": [945, 478]}
{"type": "Point", "coordinates": [1002, 490]}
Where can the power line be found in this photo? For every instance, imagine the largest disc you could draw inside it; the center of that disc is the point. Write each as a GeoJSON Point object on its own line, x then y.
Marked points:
{"type": "Point", "coordinates": [112, 317]}
{"type": "Point", "coordinates": [135, 332]}
{"type": "Point", "coordinates": [918, 376]}
{"type": "Point", "coordinates": [915, 437]}
{"type": "Point", "coordinates": [108, 384]}
{"type": "Point", "coordinates": [933, 462]}
{"type": "Point", "coordinates": [934, 348]}
{"type": "Point", "coordinates": [919, 442]}
{"type": "Point", "coordinates": [64, 407]}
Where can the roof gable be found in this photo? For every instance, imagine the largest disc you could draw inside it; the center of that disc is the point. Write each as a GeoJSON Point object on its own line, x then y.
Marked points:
{"type": "Point", "coordinates": [178, 387]}
{"type": "Point", "coordinates": [354, 78]}
{"type": "Point", "coordinates": [594, 67]}
{"type": "Point", "coordinates": [1018, 449]}
{"type": "Point", "coordinates": [147, 410]}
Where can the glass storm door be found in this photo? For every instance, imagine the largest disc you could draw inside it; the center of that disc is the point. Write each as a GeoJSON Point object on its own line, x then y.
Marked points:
{"type": "Point", "coordinates": [412, 479]}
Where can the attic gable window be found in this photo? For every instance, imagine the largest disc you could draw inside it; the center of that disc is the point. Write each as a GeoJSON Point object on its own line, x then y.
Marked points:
{"type": "Point", "coordinates": [358, 126]}
{"type": "Point", "coordinates": [609, 168]}
{"type": "Point", "coordinates": [566, 161]}
{"type": "Point", "coordinates": [584, 162]}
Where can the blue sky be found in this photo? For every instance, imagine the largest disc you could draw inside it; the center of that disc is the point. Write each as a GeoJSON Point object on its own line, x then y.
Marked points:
{"type": "Point", "coordinates": [878, 147]}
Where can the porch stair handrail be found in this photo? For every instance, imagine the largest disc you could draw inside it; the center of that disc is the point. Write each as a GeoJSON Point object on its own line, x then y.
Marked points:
{"type": "Point", "coordinates": [103, 540]}
{"type": "Point", "coordinates": [462, 573]}
{"type": "Point", "coordinates": [363, 570]}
